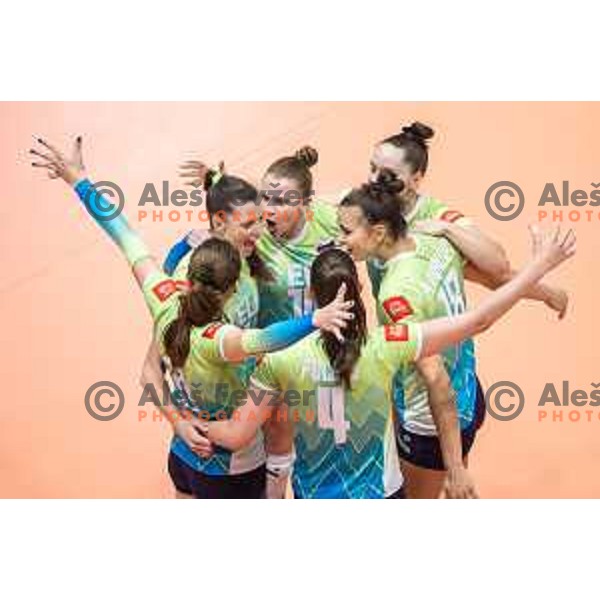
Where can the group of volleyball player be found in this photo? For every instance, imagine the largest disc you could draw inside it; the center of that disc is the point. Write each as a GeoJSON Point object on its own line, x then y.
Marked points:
{"type": "Point", "coordinates": [260, 328]}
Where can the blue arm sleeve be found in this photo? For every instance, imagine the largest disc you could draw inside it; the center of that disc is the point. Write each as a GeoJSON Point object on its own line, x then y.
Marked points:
{"type": "Point", "coordinates": [277, 336]}
{"type": "Point", "coordinates": [112, 221]}
{"type": "Point", "coordinates": [176, 253]}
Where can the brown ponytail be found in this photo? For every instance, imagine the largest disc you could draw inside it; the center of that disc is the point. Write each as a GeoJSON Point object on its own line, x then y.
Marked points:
{"type": "Point", "coordinates": [213, 270]}
{"type": "Point", "coordinates": [329, 270]}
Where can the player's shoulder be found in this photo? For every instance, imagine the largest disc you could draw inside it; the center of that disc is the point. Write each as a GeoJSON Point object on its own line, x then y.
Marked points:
{"type": "Point", "coordinates": [211, 330]}
{"type": "Point", "coordinates": [438, 255]}
{"type": "Point", "coordinates": [386, 341]}
{"type": "Point", "coordinates": [426, 208]}
{"type": "Point", "coordinates": [210, 334]}
{"type": "Point", "coordinates": [307, 346]}
{"type": "Point", "coordinates": [387, 334]}
{"type": "Point", "coordinates": [405, 288]}
{"type": "Point", "coordinates": [206, 340]}
{"type": "Point", "coordinates": [181, 270]}
{"type": "Point", "coordinates": [429, 207]}
{"type": "Point", "coordinates": [404, 265]}
{"type": "Point", "coordinates": [162, 295]}
{"type": "Point", "coordinates": [323, 210]}
{"type": "Point", "coordinates": [324, 215]}
{"type": "Point", "coordinates": [289, 362]}
{"type": "Point", "coordinates": [401, 277]}
{"type": "Point", "coordinates": [430, 246]}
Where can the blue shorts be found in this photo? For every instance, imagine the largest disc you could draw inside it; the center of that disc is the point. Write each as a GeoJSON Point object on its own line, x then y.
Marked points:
{"type": "Point", "coordinates": [251, 485]}
{"type": "Point", "coordinates": [425, 451]}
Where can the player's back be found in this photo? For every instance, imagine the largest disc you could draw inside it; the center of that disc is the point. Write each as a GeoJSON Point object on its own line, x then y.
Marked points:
{"type": "Point", "coordinates": [213, 384]}
{"type": "Point", "coordinates": [344, 438]}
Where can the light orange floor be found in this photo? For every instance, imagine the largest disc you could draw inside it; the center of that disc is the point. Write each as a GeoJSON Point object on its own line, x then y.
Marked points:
{"type": "Point", "coordinates": [72, 315]}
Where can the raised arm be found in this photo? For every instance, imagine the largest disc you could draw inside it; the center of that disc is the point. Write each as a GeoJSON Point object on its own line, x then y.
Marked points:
{"type": "Point", "coordinates": [72, 172]}
{"type": "Point", "coordinates": [549, 251]}
{"type": "Point", "coordinates": [554, 298]}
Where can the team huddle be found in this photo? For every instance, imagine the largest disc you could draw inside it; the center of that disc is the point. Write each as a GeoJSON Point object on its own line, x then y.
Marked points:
{"type": "Point", "coordinates": [261, 335]}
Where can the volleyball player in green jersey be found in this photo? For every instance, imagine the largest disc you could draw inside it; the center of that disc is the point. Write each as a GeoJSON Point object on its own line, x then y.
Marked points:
{"type": "Point", "coordinates": [234, 215]}
{"type": "Point", "coordinates": [423, 279]}
{"type": "Point", "coordinates": [296, 225]}
{"type": "Point", "coordinates": [189, 325]}
{"type": "Point", "coordinates": [406, 156]}
{"type": "Point", "coordinates": [418, 269]}
{"type": "Point", "coordinates": [337, 393]}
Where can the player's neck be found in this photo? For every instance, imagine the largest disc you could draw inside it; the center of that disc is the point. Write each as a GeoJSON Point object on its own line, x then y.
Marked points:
{"type": "Point", "coordinates": [408, 201]}
{"type": "Point", "coordinates": [400, 246]}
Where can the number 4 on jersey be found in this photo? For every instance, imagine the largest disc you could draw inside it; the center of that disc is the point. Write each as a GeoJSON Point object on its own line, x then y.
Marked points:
{"type": "Point", "coordinates": [330, 401]}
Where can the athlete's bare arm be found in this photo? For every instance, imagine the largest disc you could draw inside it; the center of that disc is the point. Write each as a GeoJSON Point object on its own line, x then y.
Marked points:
{"type": "Point", "coordinates": [458, 483]}
{"type": "Point", "coordinates": [238, 431]}
{"type": "Point", "coordinates": [186, 426]}
{"type": "Point", "coordinates": [554, 298]}
{"type": "Point", "coordinates": [549, 251]}
{"type": "Point", "coordinates": [477, 247]}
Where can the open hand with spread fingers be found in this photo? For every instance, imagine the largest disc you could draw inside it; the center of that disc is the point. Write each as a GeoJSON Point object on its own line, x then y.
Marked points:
{"type": "Point", "coordinates": [194, 172]}
{"type": "Point", "coordinates": [57, 164]}
{"type": "Point", "coordinates": [551, 248]}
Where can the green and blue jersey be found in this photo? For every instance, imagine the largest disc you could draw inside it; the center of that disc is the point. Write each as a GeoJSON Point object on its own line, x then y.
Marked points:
{"type": "Point", "coordinates": [421, 285]}
{"type": "Point", "coordinates": [344, 437]}
{"type": "Point", "coordinates": [287, 295]}
{"type": "Point", "coordinates": [214, 384]}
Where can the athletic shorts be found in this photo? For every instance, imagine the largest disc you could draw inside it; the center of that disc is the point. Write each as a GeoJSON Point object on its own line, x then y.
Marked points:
{"type": "Point", "coordinates": [250, 485]}
{"type": "Point", "coordinates": [425, 450]}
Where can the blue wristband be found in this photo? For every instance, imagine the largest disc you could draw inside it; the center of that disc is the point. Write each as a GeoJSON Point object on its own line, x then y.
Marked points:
{"type": "Point", "coordinates": [278, 336]}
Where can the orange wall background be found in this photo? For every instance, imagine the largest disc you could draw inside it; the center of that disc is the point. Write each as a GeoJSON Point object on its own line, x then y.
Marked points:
{"type": "Point", "coordinates": [71, 314]}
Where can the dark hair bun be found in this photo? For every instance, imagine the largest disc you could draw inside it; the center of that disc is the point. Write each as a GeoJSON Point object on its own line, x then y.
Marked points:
{"type": "Point", "coordinates": [387, 183]}
{"type": "Point", "coordinates": [308, 156]}
{"type": "Point", "coordinates": [418, 132]}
